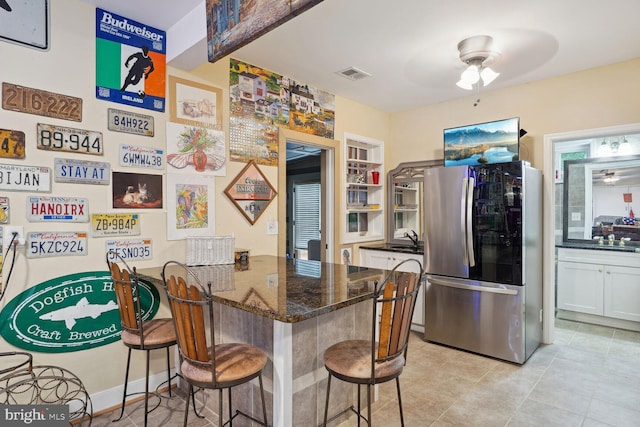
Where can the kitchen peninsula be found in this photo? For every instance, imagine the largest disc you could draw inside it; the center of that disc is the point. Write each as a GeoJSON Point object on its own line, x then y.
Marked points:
{"type": "Point", "coordinates": [293, 309]}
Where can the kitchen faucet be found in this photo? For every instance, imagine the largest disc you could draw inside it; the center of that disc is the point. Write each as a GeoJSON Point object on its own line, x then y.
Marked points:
{"type": "Point", "coordinates": [413, 237]}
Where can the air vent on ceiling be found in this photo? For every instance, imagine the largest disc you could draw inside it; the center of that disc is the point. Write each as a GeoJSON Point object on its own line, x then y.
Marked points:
{"type": "Point", "coordinates": [353, 73]}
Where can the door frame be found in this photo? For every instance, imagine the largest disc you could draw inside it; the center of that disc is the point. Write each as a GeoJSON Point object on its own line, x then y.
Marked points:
{"type": "Point", "coordinates": [328, 159]}
{"type": "Point", "coordinates": [549, 224]}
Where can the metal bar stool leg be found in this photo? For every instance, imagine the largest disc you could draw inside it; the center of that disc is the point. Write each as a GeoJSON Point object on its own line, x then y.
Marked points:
{"type": "Point", "coordinates": [230, 408]}
{"type": "Point", "coordinates": [400, 401]}
{"type": "Point", "coordinates": [326, 402]}
{"type": "Point", "coordinates": [369, 405]}
{"type": "Point", "coordinates": [264, 407]}
{"type": "Point", "coordinates": [146, 392]}
{"type": "Point", "coordinates": [168, 372]}
{"type": "Point", "coordinates": [186, 406]}
{"type": "Point", "coordinates": [126, 382]}
{"type": "Point", "coordinates": [220, 394]}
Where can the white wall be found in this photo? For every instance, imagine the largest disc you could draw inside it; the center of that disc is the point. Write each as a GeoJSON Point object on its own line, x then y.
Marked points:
{"type": "Point", "coordinates": [608, 200]}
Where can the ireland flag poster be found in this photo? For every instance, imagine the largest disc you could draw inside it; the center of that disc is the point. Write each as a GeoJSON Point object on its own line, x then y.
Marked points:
{"type": "Point", "coordinates": [130, 62]}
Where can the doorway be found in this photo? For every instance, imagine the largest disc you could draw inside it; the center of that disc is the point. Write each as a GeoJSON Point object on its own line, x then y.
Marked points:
{"type": "Point", "coordinates": [559, 147]}
{"type": "Point", "coordinates": [307, 183]}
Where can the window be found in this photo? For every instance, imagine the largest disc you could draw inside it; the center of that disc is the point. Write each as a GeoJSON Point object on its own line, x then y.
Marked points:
{"type": "Point", "coordinates": [306, 214]}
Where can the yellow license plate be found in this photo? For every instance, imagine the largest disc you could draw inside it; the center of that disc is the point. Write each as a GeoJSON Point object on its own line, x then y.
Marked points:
{"type": "Point", "coordinates": [115, 225]}
{"type": "Point", "coordinates": [11, 144]}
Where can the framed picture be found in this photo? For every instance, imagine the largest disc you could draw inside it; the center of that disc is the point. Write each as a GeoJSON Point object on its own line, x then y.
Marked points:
{"type": "Point", "coordinates": [193, 103]}
{"type": "Point", "coordinates": [250, 192]}
{"type": "Point", "coordinates": [190, 206]}
{"type": "Point", "coordinates": [346, 254]}
{"type": "Point", "coordinates": [136, 191]}
{"type": "Point", "coordinates": [229, 28]}
{"type": "Point", "coordinates": [195, 149]}
{"type": "Point", "coordinates": [25, 23]}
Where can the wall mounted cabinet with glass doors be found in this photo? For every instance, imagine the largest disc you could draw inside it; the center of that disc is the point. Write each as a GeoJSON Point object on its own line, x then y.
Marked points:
{"type": "Point", "coordinates": [405, 200]}
{"type": "Point", "coordinates": [363, 189]}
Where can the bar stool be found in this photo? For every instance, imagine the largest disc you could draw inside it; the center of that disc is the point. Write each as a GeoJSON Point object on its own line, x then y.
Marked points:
{"type": "Point", "coordinates": [206, 364]}
{"type": "Point", "coordinates": [137, 333]}
{"type": "Point", "coordinates": [383, 357]}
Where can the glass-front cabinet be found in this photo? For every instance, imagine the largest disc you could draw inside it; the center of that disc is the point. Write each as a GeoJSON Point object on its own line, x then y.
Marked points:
{"type": "Point", "coordinates": [363, 189]}
{"type": "Point", "coordinates": [405, 200]}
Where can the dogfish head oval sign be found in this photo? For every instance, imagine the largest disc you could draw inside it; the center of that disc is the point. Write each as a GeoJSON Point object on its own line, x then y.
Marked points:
{"type": "Point", "coordinates": [70, 313]}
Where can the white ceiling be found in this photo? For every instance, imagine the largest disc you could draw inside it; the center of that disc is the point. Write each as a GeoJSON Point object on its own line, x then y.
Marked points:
{"type": "Point", "coordinates": [410, 47]}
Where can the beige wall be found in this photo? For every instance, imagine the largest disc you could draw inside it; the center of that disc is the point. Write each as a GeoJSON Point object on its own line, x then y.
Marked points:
{"type": "Point", "coordinates": [600, 97]}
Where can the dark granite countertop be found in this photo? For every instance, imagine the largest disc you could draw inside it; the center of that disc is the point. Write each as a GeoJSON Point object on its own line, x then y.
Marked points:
{"type": "Point", "coordinates": [283, 289]}
{"type": "Point", "coordinates": [595, 246]}
{"type": "Point", "coordinates": [394, 247]}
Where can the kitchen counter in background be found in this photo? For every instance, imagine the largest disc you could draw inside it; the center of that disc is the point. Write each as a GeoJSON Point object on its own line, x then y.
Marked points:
{"type": "Point", "coordinates": [388, 247]}
{"type": "Point", "coordinates": [595, 246]}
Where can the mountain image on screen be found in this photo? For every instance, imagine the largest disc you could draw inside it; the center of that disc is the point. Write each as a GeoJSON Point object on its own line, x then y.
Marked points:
{"type": "Point", "coordinates": [483, 143]}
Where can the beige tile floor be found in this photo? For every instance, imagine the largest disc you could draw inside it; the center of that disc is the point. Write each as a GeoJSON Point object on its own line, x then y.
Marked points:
{"type": "Point", "coordinates": [589, 377]}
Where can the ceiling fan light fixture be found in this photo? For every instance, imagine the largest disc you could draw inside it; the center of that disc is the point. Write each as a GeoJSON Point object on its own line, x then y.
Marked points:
{"type": "Point", "coordinates": [474, 51]}
{"type": "Point", "coordinates": [471, 75]}
{"type": "Point", "coordinates": [488, 75]}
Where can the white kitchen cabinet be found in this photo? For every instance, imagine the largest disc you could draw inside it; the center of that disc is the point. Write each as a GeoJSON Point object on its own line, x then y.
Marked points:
{"type": "Point", "coordinates": [600, 283]}
{"type": "Point", "coordinates": [581, 287]}
{"type": "Point", "coordinates": [387, 260]}
{"type": "Point", "coordinates": [622, 292]}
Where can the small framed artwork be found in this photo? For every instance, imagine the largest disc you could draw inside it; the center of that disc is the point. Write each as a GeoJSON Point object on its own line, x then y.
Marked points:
{"type": "Point", "coordinates": [193, 103]}
{"type": "Point", "coordinates": [190, 206]}
{"type": "Point", "coordinates": [251, 192]}
{"type": "Point", "coordinates": [195, 149]}
{"type": "Point", "coordinates": [346, 255]}
{"type": "Point", "coordinates": [136, 191]}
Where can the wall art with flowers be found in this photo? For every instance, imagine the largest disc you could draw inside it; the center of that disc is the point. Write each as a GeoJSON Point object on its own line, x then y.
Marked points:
{"type": "Point", "coordinates": [190, 205]}
{"type": "Point", "coordinates": [195, 149]}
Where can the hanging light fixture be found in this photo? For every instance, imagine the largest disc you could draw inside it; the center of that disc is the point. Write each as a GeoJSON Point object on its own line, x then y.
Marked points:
{"type": "Point", "coordinates": [474, 51]}
{"type": "Point", "coordinates": [625, 147]}
{"type": "Point", "coordinates": [604, 150]}
{"type": "Point", "coordinates": [610, 177]}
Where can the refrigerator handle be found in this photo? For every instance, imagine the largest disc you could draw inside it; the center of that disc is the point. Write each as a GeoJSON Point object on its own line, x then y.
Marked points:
{"type": "Point", "coordinates": [463, 227]}
{"type": "Point", "coordinates": [469, 217]}
{"type": "Point", "coordinates": [450, 284]}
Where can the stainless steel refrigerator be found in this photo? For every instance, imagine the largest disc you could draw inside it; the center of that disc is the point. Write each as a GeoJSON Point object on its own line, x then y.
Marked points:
{"type": "Point", "coordinates": [483, 258]}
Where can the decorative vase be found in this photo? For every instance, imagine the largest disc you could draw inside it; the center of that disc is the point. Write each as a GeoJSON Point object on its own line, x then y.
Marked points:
{"type": "Point", "coordinates": [199, 159]}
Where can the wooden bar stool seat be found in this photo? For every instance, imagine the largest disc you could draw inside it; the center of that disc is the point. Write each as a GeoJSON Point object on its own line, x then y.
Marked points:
{"type": "Point", "coordinates": [204, 363]}
{"type": "Point", "coordinates": [138, 333]}
{"type": "Point", "coordinates": [383, 357]}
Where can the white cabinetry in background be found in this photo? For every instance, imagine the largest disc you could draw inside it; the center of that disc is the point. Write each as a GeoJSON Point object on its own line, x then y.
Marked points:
{"type": "Point", "coordinates": [599, 286]}
{"type": "Point", "coordinates": [386, 260]}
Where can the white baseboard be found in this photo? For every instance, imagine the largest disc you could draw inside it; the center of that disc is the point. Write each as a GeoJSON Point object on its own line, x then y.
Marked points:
{"type": "Point", "coordinates": [112, 397]}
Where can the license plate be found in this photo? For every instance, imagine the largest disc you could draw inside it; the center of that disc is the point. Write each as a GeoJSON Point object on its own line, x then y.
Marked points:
{"type": "Point", "coordinates": [58, 209]}
{"type": "Point", "coordinates": [59, 138]}
{"type": "Point", "coordinates": [127, 122]}
{"type": "Point", "coordinates": [82, 171]}
{"type": "Point", "coordinates": [130, 249]}
{"type": "Point", "coordinates": [40, 102]}
{"type": "Point", "coordinates": [11, 144]}
{"type": "Point", "coordinates": [103, 225]}
{"type": "Point", "coordinates": [25, 178]}
{"type": "Point", "coordinates": [52, 244]}
{"type": "Point", "coordinates": [144, 157]}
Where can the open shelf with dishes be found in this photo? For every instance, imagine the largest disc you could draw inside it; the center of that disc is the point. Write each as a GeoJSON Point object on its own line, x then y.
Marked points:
{"type": "Point", "coordinates": [363, 189]}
